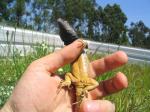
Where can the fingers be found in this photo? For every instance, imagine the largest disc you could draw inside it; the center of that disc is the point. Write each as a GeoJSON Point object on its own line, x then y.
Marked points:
{"type": "Point", "coordinates": [109, 62]}
{"type": "Point", "coordinates": [110, 86]}
{"type": "Point", "coordinates": [57, 59]}
{"type": "Point", "coordinates": [97, 106]}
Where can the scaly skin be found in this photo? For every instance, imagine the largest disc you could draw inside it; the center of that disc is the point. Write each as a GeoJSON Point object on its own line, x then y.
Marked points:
{"type": "Point", "coordinates": [79, 77]}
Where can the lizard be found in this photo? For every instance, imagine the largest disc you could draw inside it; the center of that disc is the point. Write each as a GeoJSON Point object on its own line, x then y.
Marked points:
{"type": "Point", "coordinates": [79, 75]}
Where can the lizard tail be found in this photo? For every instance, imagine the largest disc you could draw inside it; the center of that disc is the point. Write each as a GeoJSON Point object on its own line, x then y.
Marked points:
{"type": "Point", "coordinates": [79, 98]}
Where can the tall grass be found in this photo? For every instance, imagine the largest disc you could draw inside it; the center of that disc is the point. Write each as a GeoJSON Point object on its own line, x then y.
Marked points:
{"type": "Point", "coordinates": [12, 67]}
{"type": "Point", "coordinates": [136, 98]}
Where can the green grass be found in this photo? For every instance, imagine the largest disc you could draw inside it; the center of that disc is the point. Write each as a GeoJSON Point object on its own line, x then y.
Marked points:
{"type": "Point", "coordinates": [136, 98]}
{"type": "Point", "coordinates": [133, 99]}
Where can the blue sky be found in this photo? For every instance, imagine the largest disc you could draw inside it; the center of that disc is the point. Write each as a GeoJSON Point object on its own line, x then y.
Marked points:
{"type": "Point", "coordinates": [135, 10]}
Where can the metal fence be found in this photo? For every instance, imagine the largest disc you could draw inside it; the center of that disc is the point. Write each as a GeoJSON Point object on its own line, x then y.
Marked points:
{"type": "Point", "coordinates": [23, 40]}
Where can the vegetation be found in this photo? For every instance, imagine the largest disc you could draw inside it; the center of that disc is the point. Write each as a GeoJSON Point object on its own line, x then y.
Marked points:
{"type": "Point", "coordinates": [91, 20]}
{"type": "Point", "coordinates": [11, 68]}
{"type": "Point", "coordinates": [134, 99]}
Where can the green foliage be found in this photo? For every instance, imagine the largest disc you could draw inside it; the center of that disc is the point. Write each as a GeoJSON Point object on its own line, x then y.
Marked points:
{"type": "Point", "coordinates": [4, 11]}
{"type": "Point", "coordinates": [114, 28]}
{"type": "Point", "coordinates": [41, 49]}
{"type": "Point", "coordinates": [11, 68]}
{"type": "Point", "coordinates": [140, 35]}
{"type": "Point", "coordinates": [88, 18]}
{"type": "Point", "coordinates": [19, 10]}
{"type": "Point", "coordinates": [136, 97]}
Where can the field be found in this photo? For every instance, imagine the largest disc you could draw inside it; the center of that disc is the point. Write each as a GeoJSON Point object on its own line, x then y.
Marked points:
{"type": "Point", "coordinates": [136, 98]}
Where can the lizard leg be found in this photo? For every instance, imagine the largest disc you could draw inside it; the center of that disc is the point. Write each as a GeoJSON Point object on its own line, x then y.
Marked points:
{"type": "Point", "coordinates": [69, 78]}
{"type": "Point", "coordinates": [90, 85]}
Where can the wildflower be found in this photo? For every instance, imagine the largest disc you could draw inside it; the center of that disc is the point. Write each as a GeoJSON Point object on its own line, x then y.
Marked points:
{"type": "Point", "coordinates": [60, 70]}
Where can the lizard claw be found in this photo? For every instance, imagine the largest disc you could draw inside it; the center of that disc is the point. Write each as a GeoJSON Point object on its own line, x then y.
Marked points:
{"type": "Point", "coordinates": [70, 87]}
{"type": "Point", "coordinates": [64, 84]}
{"type": "Point", "coordinates": [60, 84]}
{"type": "Point", "coordinates": [85, 94]}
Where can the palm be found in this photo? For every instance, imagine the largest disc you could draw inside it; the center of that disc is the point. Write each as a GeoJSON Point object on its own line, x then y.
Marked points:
{"type": "Point", "coordinates": [43, 92]}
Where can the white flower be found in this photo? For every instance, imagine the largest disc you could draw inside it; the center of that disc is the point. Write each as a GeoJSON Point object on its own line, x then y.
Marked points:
{"type": "Point", "coordinates": [11, 87]}
{"type": "Point", "coordinates": [60, 70]}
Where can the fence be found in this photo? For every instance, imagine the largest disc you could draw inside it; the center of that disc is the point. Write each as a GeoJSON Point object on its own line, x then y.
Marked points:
{"type": "Point", "coordinates": [23, 40]}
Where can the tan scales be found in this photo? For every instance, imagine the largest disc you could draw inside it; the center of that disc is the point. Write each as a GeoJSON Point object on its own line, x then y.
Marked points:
{"type": "Point", "coordinates": [80, 78]}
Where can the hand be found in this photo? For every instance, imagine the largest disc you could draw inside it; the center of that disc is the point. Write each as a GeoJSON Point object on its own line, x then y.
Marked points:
{"type": "Point", "coordinates": [37, 90]}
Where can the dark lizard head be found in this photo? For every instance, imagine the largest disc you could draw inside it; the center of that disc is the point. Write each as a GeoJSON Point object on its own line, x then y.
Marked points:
{"type": "Point", "coordinates": [67, 33]}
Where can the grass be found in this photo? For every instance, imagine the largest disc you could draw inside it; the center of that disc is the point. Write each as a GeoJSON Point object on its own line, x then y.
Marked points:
{"type": "Point", "coordinates": [133, 99]}
{"type": "Point", "coordinates": [136, 97]}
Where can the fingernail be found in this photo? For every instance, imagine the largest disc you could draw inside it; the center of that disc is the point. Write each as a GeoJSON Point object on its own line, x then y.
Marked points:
{"type": "Point", "coordinates": [99, 106]}
{"type": "Point", "coordinates": [81, 43]}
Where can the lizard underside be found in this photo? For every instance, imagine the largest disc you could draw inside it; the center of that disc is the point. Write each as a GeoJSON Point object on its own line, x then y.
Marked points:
{"type": "Point", "coordinates": [80, 68]}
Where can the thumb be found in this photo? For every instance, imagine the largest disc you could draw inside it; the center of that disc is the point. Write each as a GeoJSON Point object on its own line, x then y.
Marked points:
{"type": "Point", "coordinates": [97, 106]}
{"type": "Point", "coordinates": [64, 56]}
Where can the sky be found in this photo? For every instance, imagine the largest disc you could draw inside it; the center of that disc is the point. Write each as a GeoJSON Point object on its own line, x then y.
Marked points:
{"type": "Point", "coordinates": [135, 10]}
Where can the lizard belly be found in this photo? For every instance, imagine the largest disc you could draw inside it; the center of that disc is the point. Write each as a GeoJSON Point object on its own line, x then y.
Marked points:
{"type": "Point", "coordinates": [80, 68]}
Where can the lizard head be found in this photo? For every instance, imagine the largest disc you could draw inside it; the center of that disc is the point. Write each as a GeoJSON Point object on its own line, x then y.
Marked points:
{"type": "Point", "coordinates": [66, 32]}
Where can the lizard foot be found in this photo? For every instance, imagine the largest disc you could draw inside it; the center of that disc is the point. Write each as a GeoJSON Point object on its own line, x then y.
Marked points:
{"type": "Point", "coordinates": [84, 94]}
{"type": "Point", "coordinates": [64, 84]}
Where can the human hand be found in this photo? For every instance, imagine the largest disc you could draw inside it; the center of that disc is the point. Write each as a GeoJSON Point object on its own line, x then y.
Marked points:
{"type": "Point", "coordinates": [37, 90]}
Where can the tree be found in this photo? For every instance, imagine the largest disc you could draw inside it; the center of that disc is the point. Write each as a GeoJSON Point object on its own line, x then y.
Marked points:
{"type": "Point", "coordinates": [147, 41]}
{"type": "Point", "coordinates": [4, 11]}
{"type": "Point", "coordinates": [79, 13]}
{"type": "Point", "coordinates": [70, 10]}
{"type": "Point", "coordinates": [20, 9]}
{"type": "Point", "coordinates": [114, 29]}
{"type": "Point", "coordinates": [139, 34]}
{"type": "Point", "coordinates": [89, 19]}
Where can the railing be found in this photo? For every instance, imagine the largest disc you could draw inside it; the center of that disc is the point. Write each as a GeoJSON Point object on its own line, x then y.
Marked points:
{"type": "Point", "coordinates": [23, 40]}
